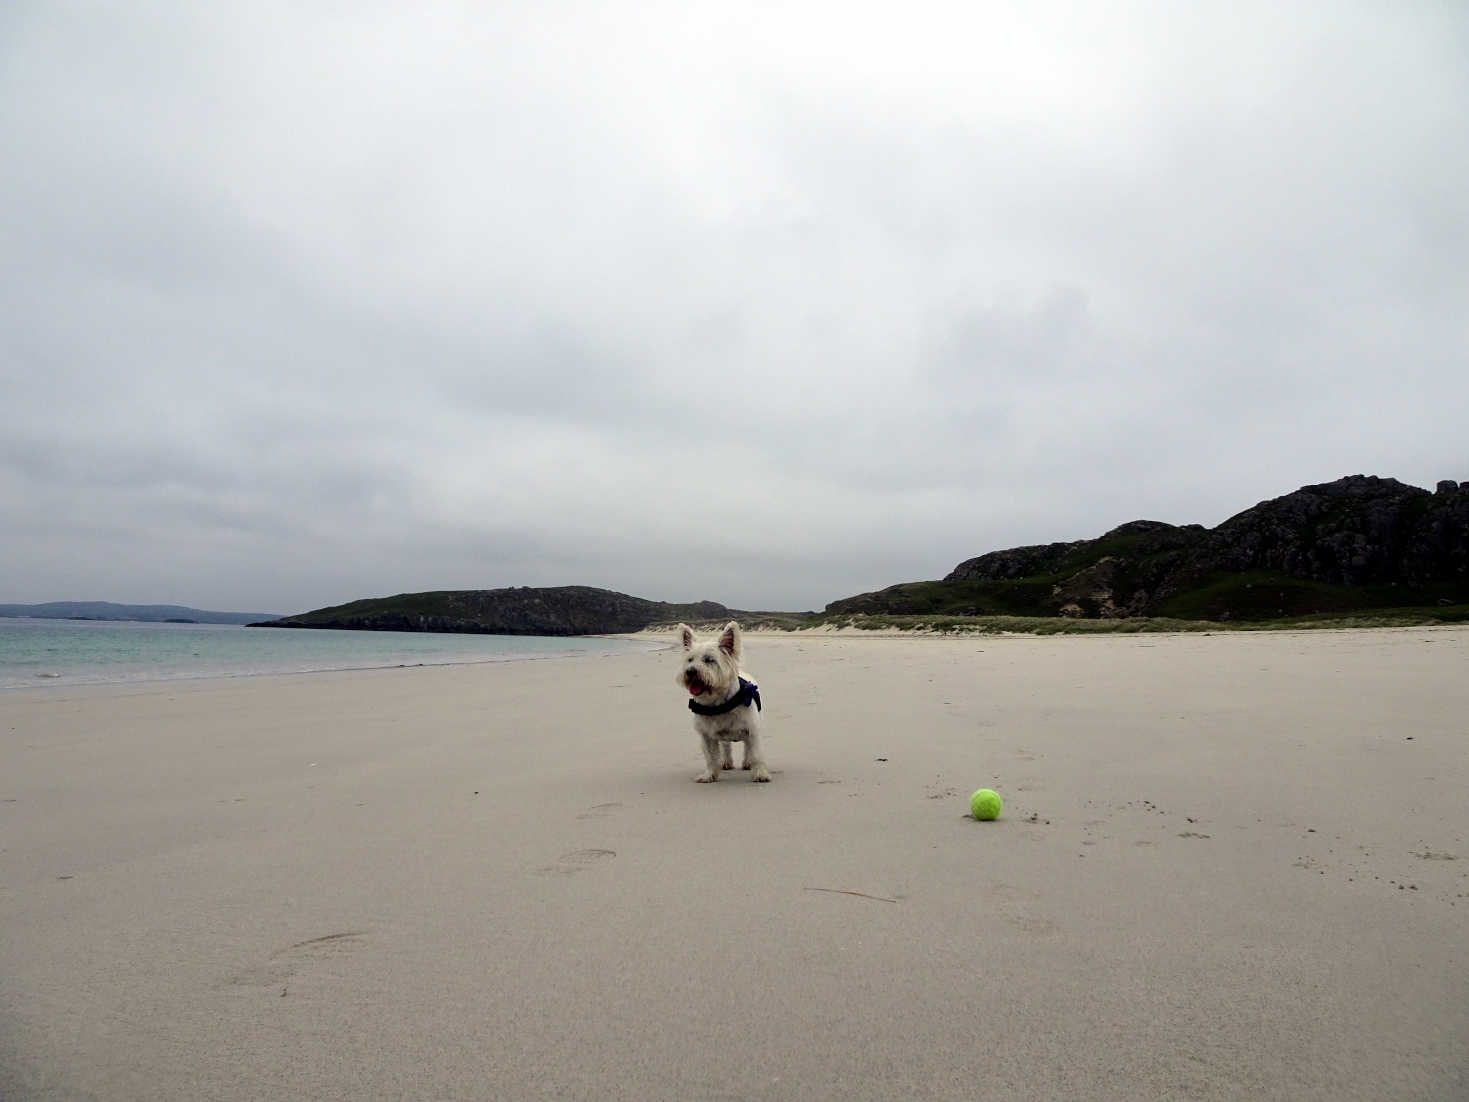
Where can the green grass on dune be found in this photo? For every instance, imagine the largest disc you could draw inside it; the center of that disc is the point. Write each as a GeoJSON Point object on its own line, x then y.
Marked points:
{"type": "Point", "coordinates": [1259, 596]}
{"type": "Point", "coordinates": [1268, 595]}
{"type": "Point", "coordinates": [1058, 625]}
{"type": "Point", "coordinates": [1258, 600]}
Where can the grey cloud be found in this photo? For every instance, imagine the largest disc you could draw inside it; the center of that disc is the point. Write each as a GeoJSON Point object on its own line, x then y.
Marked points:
{"type": "Point", "coordinates": [303, 304]}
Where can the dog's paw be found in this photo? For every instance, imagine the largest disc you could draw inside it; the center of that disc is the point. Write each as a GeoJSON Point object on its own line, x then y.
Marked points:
{"type": "Point", "coordinates": [758, 772]}
{"type": "Point", "coordinates": [706, 777]}
{"type": "Point", "coordinates": [727, 765]}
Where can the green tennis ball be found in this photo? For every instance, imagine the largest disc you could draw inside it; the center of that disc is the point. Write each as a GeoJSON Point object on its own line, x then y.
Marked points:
{"type": "Point", "coordinates": [985, 804]}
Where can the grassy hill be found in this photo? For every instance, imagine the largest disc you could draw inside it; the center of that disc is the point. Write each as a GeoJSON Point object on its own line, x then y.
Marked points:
{"type": "Point", "coordinates": [518, 610]}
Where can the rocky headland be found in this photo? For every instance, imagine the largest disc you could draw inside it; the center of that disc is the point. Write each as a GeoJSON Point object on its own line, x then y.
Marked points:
{"type": "Point", "coordinates": [1359, 543]}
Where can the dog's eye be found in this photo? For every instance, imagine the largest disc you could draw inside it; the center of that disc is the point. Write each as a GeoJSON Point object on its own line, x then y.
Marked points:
{"type": "Point", "coordinates": [708, 661]}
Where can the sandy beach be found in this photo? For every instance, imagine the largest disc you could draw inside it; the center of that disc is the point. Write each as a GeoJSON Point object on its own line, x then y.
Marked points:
{"type": "Point", "coordinates": [1230, 866]}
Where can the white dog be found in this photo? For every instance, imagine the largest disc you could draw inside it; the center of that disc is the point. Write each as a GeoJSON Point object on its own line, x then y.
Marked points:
{"type": "Point", "coordinates": [725, 702]}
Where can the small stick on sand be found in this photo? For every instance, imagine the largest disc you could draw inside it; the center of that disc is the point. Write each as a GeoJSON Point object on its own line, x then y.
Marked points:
{"type": "Point", "coordinates": [863, 895]}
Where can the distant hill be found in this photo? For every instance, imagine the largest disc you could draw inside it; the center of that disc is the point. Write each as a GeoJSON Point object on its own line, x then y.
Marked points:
{"type": "Point", "coordinates": [106, 610]}
{"type": "Point", "coordinates": [518, 610]}
{"type": "Point", "coordinates": [1360, 542]}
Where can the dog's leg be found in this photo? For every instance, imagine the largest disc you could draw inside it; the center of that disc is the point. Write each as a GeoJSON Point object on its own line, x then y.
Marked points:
{"type": "Point", "coordinates": [754, 758]}
{"type": "Point", "coordinates": [711, 760]}
{"type": "Point", "coordinates": [726, 760]}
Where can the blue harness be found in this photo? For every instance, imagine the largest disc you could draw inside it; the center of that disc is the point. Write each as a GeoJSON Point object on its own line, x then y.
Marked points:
{"type": "Point", "coordinates": [749, 691]}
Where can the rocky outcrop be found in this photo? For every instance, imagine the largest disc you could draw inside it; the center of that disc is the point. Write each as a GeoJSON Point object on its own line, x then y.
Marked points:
{"type": "Point", "coordinates": [1091, 592]}
{"type": "Point", "coordinates": [1353, 531]}
{"type": "Point", "coordinates": [1355, 542]}
{"type": "Point", "coordinates": [518, 610]}
{"type": "Point", "coordinates": [1438, 544]}
{"type": "Point", "coordinates": [1017, 562]}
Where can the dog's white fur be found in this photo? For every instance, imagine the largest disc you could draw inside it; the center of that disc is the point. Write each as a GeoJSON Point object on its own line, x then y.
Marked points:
{"type": "Point", "coordinates": [710, 672]}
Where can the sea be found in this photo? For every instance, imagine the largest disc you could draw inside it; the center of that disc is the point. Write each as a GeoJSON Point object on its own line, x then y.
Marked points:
{"type": "Point", "coordinates": [36, 652]}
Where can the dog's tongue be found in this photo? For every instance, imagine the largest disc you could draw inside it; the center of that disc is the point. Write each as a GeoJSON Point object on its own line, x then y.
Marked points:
{"type": "Point", "coordinates": [696, 690]}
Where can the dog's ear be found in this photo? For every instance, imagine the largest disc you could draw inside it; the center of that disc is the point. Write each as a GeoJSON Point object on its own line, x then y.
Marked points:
{"type": "Point", "coordinates": [686, 636]}
{"type": "Point", "coordinates": [729, 640]}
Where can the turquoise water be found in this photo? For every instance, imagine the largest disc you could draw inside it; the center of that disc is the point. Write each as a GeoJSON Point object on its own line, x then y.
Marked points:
{"type": "Point", "coordinates": [77, 652]}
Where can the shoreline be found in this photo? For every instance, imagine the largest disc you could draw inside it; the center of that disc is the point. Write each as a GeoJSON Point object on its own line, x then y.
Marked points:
{"type": "Point", "coordinates": [73, 654]}
{"type": "Point", "coordinates": [45, 681]}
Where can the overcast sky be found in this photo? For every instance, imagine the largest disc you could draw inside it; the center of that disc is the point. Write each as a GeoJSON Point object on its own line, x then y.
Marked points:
{"type": "Point", "coordinates": [762, 304]}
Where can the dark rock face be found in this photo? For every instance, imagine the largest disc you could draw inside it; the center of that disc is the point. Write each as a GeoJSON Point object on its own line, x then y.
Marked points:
{"type": "Point", "coordinates": [1151, 536]}
{"type": "Point", "coordinates": [1017, 562]}
{"type": "Point", "coordinates": [1437, 546]}
{"type": "Point", "coordinates": [1359, 531]}
{"type": "Point", "coordinates": [1137, 539]}
{"type": "Point", "coordinates": [1353, 531]}
{"type": "Point", "coordinates": [563, 610]}
{"type": "Point", "coordinates": [1115, 575]}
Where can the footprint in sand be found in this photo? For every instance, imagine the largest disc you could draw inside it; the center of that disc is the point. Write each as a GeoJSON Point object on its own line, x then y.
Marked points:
{"type": "Point", "coordinates": [599, 811]}
{"type": "Point", "coordinates": [322, 948]}
{"type": "Point", "coordinates": [1033, 924]}
{"type": "Point", "coordinates": [285, 963]}
{"type": "Point", "coordinates": [578, 860]}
